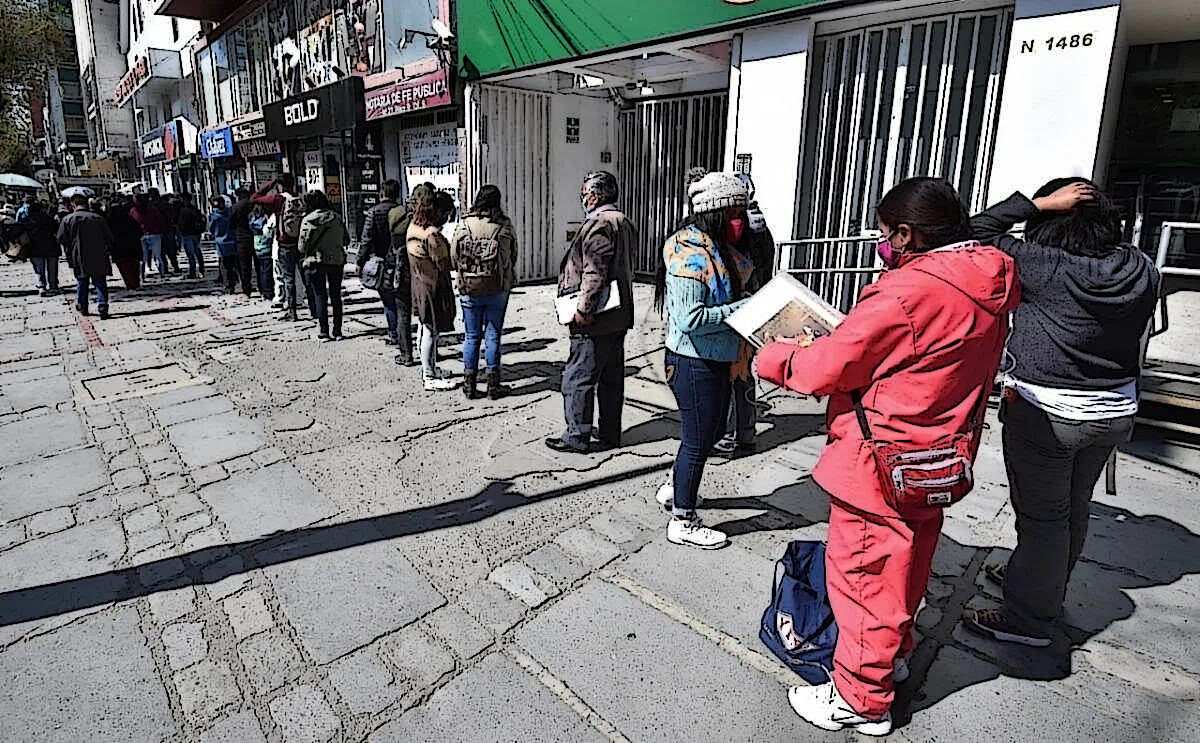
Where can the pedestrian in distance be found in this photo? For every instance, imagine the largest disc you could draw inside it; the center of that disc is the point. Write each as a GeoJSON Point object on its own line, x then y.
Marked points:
{"type": "Point", "coordinates": [598, 261]}
{"type": "Point", "coordinates": [432, 295]}
{"type": "Point", "coordinates": [701, 281]}
{"type": "Point", "coordinates": [399, 219]}
{"type": "Point", "coordinates": [323, 241]}
{"type": "Point", "coordinates": [1072, 393]}
{"type": "Point", "coordinates": [274, 195]}
{"type": "Point", "coordinates": [377, 243]}
{"type": "Point", "coordinates": [484, 255]}
{"type": "Point", "coordinates": [243, 238]}
{"type": "Point", "coordinates": [127, 242]}
{"type": "Point", "coordinates": [154, 227]}
{"type": "Point", "coordinates": [908, 369]}
{"type": "Point", "coordinates": [221, 229]}
{"type": "Point", "coordinates": [191, 226]}
{"type": "Point", "coordinates": [169, 205]}
{"type": "Point", "coordinates": [43, 248]}
{"type": "Point", "coordinates": [262, 224]}
{"type": "Point", "coordinates": [87, 239]}
{"type": "Point", "coordinates": [758, 246]}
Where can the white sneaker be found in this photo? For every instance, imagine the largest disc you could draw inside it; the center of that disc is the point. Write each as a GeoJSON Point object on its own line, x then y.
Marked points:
{"type": "Point", "coordinates": [439, 385]}
{"type": "Point", "coordinates": [900, 671]}
{"type": "Point", "coordinates": [693, 533]}
{"type": "Point", "coordinates": [666, 494]}
{"type": "Point", "coordinates": [824, 707]}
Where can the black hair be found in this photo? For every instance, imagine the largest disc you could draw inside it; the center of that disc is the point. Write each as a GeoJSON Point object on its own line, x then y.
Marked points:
{"type": "Point", "coordinates": [391, 189]}
{"type": "Point", "coordinates": [242, 193]}
{"type": "Point", "coordinates": [487, 204]}
{"type": "Point", "coordinates": [1092, 228]}
{"type": "Point", "coordinates": [315, 200]}
{"type": "Point", "coordinates": [443, 203]}
{"type": "Point", "coordinates": [79, 200]}
{"type": "Point", "coordinates": [711, 223]}
{"type": "Point", "coordinates": [288, 181]}
{"type": "Point", "coordinates": [931, 207]}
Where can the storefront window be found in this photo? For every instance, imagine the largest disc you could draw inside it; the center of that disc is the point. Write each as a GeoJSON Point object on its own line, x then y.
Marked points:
{"type": "Point", "coordinates": [208, 90]}
{"type": "Point", "coordinates": [260, 60]}
{"type": "Point", "coordinates": [241, 72]}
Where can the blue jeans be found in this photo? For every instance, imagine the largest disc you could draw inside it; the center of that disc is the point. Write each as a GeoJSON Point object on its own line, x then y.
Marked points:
{"type": "Point", "coordinates": [152, 247]}
{"type": "Point", "coordinates": [46, 271]}
{"type": "Point", "coordinates": [191, 248]}
{"type": "Point", "coordinates": [483, 313]}
{"type": "Point", "coordinates": [701, 390]}
{"type": "Point", "coordinates": [81, 293]}
{"type": "Point", "coordinates": [387, 295]}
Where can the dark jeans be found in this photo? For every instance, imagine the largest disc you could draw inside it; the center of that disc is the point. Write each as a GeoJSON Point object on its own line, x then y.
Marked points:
{"type": "Point", "coordinates": [387, 295]}
{"type": "Point", "coordinates": [230, 273]}
{"type": "Point", "coordinates": [289, 258]}
{"type": "Point", "coordinates": [326, 284]}
{"type": "Point", "coordinates": [483, 315]}
{"type": "Point", "coordinates": [403, 302]}
{"type": "Point", "coordinates": [81, 293]}
{"type": "Point", "coordinates": [1053, 466]}
{"type": "Point", "coordinates": [701, 390]}
{"type": "Point", "coordinates": [265, 272]}
{"type": "Point", "coordinates": [595, 368]}
{"type": "Point", "coordinates": [245, 268]}
{"type": "Point", "coordinates": [743, 413]}
{"type": "Point", "coordinates": [195, 257]}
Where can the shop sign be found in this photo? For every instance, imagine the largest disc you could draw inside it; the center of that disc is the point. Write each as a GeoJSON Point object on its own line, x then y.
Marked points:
{"type": "Point", "coordinates": [216, 143]}
{"type": "Point", "coordinates": [250, 130]}
{"type": "Point", "coordinates": [132, 80]}
{"type": "Point", "coordinates": [368, 143]}
{"type": "Point", "coordinates": [326, 110]}
{"type": "Point", "coordinates": [259, 148]}
{"type": "Point", "coordinates": [430, 147]}
{"type": "Point", "coordinates": [162, 144]}
{"type": "Point", "coordinates": [333, 189]}
{"type": "Point", "coordinates": [404, 96]}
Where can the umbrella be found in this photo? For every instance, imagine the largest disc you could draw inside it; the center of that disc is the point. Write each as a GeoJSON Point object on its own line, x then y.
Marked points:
{"type": "Point", "coordinates": [12, 180]}
{"type": "Point", "coordinates": [77, 191]}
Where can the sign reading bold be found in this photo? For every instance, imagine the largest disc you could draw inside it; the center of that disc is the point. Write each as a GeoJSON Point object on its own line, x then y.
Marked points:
{"type": "Point", "coordinates": [326, 110]}
{"type": "Point", "coordinates": [416, 94]}
{"type": "Point", "coordinates": [216, 143]}
{"type": "Point", "coordinates": [132, 80]}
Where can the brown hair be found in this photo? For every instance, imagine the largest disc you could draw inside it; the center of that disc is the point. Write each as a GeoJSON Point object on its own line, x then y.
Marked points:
{"type": "Point", "coordinates": [424, 211]}
{"type": "Point", "coordinates": [931, 207]}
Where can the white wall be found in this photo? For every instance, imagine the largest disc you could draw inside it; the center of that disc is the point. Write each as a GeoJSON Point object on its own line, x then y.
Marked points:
{"type": "Point", "coordinates": [1052, 111]}
{"type": "Point", "coordinates": [569, 163]}
{"type": "Point", "coordinates": [766, 99]}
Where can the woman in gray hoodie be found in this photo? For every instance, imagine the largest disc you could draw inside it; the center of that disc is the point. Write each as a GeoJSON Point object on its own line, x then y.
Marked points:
{"type": "Point", "coordinates": [323, 241]}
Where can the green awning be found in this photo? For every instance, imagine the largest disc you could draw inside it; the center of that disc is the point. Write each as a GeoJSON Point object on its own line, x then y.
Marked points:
{"type": "Point", "coordinates": [505, 35]}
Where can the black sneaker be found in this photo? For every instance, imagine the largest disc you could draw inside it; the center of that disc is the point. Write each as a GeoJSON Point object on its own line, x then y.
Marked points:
{"type": "Point", "coordinates": [557, 444]}
{"type": "Point", "coordinates": [995, 573]}
{"type": "Point", "coordinates": [995, 624]}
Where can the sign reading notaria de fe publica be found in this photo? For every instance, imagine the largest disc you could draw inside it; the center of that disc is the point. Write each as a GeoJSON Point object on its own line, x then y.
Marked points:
{"type": "Point", "coordinates": [329, 109]}
{"type": "Point", "coordinates": [419, 93]}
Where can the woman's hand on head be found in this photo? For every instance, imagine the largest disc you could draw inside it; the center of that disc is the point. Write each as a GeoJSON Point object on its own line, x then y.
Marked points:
{"type": "Point", "coordinates": [1066, 198]}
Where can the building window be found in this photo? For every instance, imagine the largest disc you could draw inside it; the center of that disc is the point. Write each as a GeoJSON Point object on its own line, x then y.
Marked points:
{"type": "Point", "coordinates": [208, 88]}
{"type": "Point", "coordinates": [72, 109]}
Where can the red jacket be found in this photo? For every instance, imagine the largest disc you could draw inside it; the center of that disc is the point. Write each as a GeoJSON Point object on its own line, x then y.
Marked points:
{"type": "Point", "coordinates": [923, 344]}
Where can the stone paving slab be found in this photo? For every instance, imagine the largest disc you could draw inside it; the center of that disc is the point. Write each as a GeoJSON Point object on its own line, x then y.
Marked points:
{"type": "Point", "coordinates": [39, 437]}
{"type": "Point", "coordinates": [251, 505]}
{"type": "Point", "coordinates": [495, 701]}
{"type": "Point", "coordinates": [216, 439]}
{"type": "Point", "coordinates": [50, 482]}
{"type": "Point", "coordinates": [78, 552]}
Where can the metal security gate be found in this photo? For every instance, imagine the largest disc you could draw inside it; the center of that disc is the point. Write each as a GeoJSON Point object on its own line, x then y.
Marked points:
{"type": "Point", "coordinates": [508, 145]}
{"type": "Point", "coordinates": [660, 141]}
{"type": "Point", "coordinates": [885, 103]}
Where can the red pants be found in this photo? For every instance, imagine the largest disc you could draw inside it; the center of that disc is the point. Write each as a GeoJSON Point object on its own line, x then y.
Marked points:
{"type": "Point", "coordinates": [130, 273]}
{"type": "Point", "coordinates": [876, 571]}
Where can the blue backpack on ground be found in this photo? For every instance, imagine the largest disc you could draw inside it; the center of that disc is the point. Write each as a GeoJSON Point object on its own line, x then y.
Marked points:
{"type": "Point", "coordinates": [798, 626]}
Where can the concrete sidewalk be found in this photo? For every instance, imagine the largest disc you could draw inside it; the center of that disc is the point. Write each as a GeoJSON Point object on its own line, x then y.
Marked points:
{"type": "Point", "coordinates": [214, 528]}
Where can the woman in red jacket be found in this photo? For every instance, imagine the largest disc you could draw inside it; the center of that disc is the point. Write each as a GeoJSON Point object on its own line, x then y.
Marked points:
{"type": "Point", "coordinates": [921, 348]}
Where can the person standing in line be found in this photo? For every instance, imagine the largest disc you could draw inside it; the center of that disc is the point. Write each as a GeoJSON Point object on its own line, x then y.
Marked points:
{"type": "Point", "coordinates": [169, 205]}
{"type": "Point", "coordinates": [262, 224]}
{"type": "Point", "coordinates": [127, 242]}
{"type": "Point", "coordinates": [917, 356]}
{"type": "Point", "coordinates": [1072, 395]}
{"type": "Point", "coordinates": [243, 238]}
{"type": "Point", "coordinates": [87, 240]}
{"type": "Point", "coordinates": [191, 226]}
{"type": "Point", "coordinates": [221, 229]}
{"type": "Point", "coordinates": [153, 226]}
{"type": "Point", "coordinates": [484, 255]}
{"type": "Point", "coordinates": [432, 297]}
{"type": "Point", "coordinates": [273, 196]}
{"type": "Point", "coordinates": [323, 241]}
{"type": "Point", "coordinates": [758, 246]}
{"type": "Point", "coordinates": [377, 243]}
{"type": "Point", "coordinates": [600, 256]}
{"type": "Point", "coordinates": [700, 282]}
{"type": "Point", "coordinates": [399, 220]}
{"type": "Point", "coordinates": [43, 249]}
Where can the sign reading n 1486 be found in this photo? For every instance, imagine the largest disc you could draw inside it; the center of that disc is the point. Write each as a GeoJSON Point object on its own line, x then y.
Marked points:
{"type": "Point", "coordinates": [1075, 41]}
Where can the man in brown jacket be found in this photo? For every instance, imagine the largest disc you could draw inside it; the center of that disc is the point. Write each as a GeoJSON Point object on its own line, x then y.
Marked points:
{"type": "Point", "coordinates": [599, 256]}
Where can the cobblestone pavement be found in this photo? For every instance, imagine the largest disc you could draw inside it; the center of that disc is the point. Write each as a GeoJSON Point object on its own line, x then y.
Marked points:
{"type": "Point", "coordinates": [214, 528]}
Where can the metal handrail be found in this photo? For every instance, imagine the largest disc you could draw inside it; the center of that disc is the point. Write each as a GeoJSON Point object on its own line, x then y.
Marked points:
{"type": "Point", "coordinates": [1164, 246]}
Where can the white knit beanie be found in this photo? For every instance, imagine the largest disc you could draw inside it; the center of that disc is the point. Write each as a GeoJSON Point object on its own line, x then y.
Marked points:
{"type": "Point", "coordinates": [717, 191]}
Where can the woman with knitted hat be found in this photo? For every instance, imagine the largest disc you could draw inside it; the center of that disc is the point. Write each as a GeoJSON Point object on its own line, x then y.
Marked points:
{"type": "Point", "coordinates": [701, 282]}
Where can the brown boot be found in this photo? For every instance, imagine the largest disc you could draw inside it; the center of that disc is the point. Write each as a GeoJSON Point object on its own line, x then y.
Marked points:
{"type": "Point", "coordinates": [495, 390]}
{"type": "Point", "coordinates": [471, 386]}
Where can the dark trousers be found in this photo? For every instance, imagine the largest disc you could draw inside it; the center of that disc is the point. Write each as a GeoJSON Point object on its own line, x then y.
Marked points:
{"type": "Point", "coordinates": [82, 290]}
{"type": "Point", "coordinates": [403, 302]}
{"type": "Point", "coordinates": [595, 368]}
{"type": "Point", "coordinates": [387, 295]}
{"type": "Point", "coordinates": [265, 273]}
{"type": "Point", "coordinates": [289, 259]}
{"type": "Point", "coordinates": [326, 284]}
{"type": "Point", "coordinates": [1053, 465]}
{"type": "Point", "coordinates": [230, 273]}
{"type": "Point", "coordinates": [743, 412]}
{"type": "Point", "coordinates": [701, 390]}
{"type": "Point", "coordinates": [245, 268]}
{"type": "Point", "coordinates": [131, 273]}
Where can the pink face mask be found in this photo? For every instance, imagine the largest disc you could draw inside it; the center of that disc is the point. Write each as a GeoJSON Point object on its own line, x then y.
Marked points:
{"type": "Point", "coordinates": [889, 255]}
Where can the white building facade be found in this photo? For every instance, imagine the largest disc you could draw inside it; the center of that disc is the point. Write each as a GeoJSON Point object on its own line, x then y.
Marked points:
{"type": "Point", "coordinates": [110, 129]}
